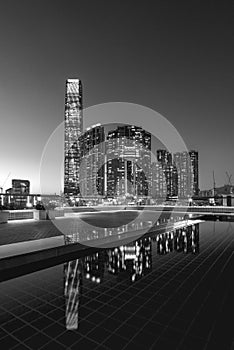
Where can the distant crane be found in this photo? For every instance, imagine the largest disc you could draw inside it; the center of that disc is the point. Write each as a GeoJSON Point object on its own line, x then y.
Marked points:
{"type": "Point", "coordinates": [214, 184]}
{"type": "Point", "coordinates": [229, 176]}
{"type": "Point", "coordinates": [1, 188]}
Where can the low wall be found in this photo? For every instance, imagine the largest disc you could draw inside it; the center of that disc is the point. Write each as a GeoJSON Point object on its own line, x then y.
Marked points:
{"type": "Point", "coordinates": [30, 214]}
{"type": "Point", "coordinates": [4, 216]}
{"type": "Point", "coordinates": [20, 214]}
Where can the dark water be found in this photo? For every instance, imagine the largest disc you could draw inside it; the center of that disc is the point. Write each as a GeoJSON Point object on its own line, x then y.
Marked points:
{"type": "Point", "coordinates": [171, 291]}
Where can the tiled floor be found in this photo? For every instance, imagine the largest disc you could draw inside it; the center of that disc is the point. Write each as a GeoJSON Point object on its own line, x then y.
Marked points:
{"type": "Point", "coordinates": [183, 301]}
{"type": "Point", "coordinates": [26, 230]}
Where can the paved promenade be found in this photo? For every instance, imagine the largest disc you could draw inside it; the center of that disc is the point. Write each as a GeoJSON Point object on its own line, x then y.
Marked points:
{"type": "Point", "coordinates": [27, 236]}
{"type": "Point", "coordinates": [21, 231]}
{"type": "Point", "coordinates": [27, 230]}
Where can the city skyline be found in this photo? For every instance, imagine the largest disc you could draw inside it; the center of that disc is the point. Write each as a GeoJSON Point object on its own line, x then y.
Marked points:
{"type": "Point", "coordinates": [116, 160]}
{"type": "Point", "coordinates": [174, 59]}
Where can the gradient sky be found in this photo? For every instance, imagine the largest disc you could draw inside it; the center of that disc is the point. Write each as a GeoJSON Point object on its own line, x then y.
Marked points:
{"type": "Point", "coordinates": [176, 58]}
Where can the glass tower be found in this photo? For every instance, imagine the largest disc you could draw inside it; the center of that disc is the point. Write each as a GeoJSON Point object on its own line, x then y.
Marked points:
{"type": "Point", "coordinates": [73, 130]}
{"type": "Point", "coordinates": [128, 161]}
{"type": "Point", "coordinates": [185, 174]}
{"type": "Point", "coordinates": [195, 171]}
{"type": "Point", "coordinates": [92, 156]}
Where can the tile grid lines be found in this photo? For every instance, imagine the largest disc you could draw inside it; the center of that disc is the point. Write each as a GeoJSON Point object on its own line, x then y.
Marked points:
{"type": "Point", "coordinates": [163, 304]}
{"type": "Point", "coordinates": [109, 316]}
{"type": "Point", "coordinates": [214, 323]}
{"type": "Point", "coordinates": [104, 303]}
{"type": "Point", "coordinates": [220, 273]}
{"type": "Point", "coordinates": [165, 263]}
{"type": "Point", "coordinates": [50, 303]}
{"type": "Point", "coordinates": [55, 294]}
{"type": "Point", "coordinates": [191, 294]}
{"type": "Point", "coordinates": [18, 340]}
{"type": "Point", "coordinates": [84, 294]}
{"type": "Point", "coordinates": [105, 282]}
{"type": "Point", "coordinates": [29, 324]}
{"type": "Point", "coordinates": [204, 275]}
{"type": "Point", "coordinates": [86, 336]}
{"type": "Point", "coordinates": [142, 305]}
{"type": "Point", "coordinates": [36, 329]}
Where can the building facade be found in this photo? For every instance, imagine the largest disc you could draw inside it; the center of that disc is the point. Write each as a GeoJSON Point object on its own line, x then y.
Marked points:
{"type": "Point", "coordinates": [92, 161]}
{"type": "Point", "coordinates": [195, 171]}
{"type": "Point", "coordinates": [128, 162]}
{"type": "Point", "coordinates": [170, 173]}
{"type": "Point", "coordinates": [158, 182]}
{"type": "Point", "coordinates": [171, 177]}
{"type": "Point", "coordinates": [73, 130]}
{"type": "Point", "coordinates": [18, 195]}
{"type": "Point", "coordinates": [164, 157]}
{"type": "Point", "coordinates": [185, 174]}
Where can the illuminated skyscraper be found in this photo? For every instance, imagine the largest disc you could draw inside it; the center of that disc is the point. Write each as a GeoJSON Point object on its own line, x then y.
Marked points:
{"type": "Point", "coordinates": [195, 171]}
{"type": "Point", "coordinates": [170, 173]}
{"type": "Point", "coordinates": [73, 130]}
{"type": "Point", "coordinates": [128, 161]}
{"type": "Point", "coordinates": [185, 174]}
{"type": "Point", "coordinates": [92, 156]}
{"type": "Point", "coordinates": [164, 157]}
{"type": "Point", "coordinates": [158, 182]}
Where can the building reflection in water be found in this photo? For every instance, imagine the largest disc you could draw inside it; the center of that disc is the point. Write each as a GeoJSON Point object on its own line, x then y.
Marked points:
{"type": "Point", "coordinates": [94, 266]}
{"type": "Point", "coordinates": [130, 262]}
{"type": "Point", "coordinates": [184, 239]}
{"type": "Point", "coordinates": [72, 292]}
{"type": "Point", "coordinates": [133, 260]}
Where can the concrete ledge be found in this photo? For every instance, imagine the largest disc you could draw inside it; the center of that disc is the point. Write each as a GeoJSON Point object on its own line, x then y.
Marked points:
{"type": "Point", "coordinates": [18, 265]}
{"type": "Point", "coordinates": [39, 215]}
{"type": "Point", "coordinates": [4, 215]}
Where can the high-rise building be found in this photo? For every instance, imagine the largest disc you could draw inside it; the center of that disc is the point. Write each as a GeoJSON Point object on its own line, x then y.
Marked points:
{"type": "Point", "coordinates": [18, 195]}
{"type": "Point", "coordinates": [158, 181]}
{"type": "Point", "coordinates": [128, 161]}
{"type": "Point", "coordinates": [73, 130]}
{"type": "Point", "coordinates": [92, 161]}
{"type": "Point", "coordinates": [195, 171]}
{"type": "Point", "coordinates": [170, 173]}
{"type": "Point", "coordinates": [185, 174]}
{"type": "Point", "coordinates": [171, 177]}
{"type": "Point", "coordinates": [164, 157]}
{"type": "Point", "coordinates": [20, 186]}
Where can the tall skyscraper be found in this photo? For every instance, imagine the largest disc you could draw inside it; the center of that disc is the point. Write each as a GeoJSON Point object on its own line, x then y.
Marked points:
{"type": "Point", "coordinates": [195, 171]}
{"type": "Point", "coordinates": [158, 181]}
{"type": "Point", "coordinates": [170, 173]}
{"type": "Point", "coordinates": [171, 176]}
{"type": "Point", "coordinates": [92, 156]}
{"type": "Point", "coordinates": [128, 161]}
{"type": "Point", "coordinates": [164, 157]}
{"type": "Point", "coordinates": [185, 174]}
{"type": "Point", "coordinates": [73, 130]}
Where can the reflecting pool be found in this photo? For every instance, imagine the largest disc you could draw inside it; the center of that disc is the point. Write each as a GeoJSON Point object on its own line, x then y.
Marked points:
{"type": "Point", "coordinates": [168, 290]}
